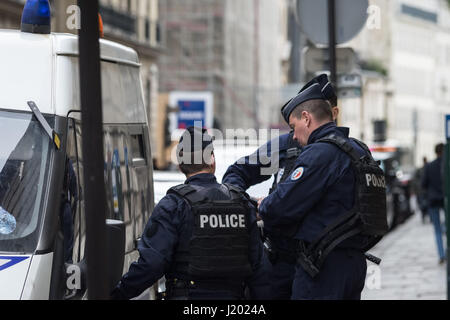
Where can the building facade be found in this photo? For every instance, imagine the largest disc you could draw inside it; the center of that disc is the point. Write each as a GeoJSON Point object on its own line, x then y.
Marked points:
{"type": "Point", "coordinates": [133, 23]}
{"type": "Point", "coordinates": [231, 48]}
{"type": "Point", "coordinates": [408, 41]}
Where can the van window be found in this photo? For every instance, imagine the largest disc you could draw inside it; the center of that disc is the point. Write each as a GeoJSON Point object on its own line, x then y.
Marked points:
{"type": "Point", "coordinates": [24, 167]}
{"type": "Point", "coordinates": [140, 176]}
{"type": "Point", "coordinates": [127, 178]}
{"type": "Point", "coordinates": [118, 180]}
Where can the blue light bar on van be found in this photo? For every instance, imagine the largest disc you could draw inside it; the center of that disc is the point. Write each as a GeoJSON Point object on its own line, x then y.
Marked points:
{"type": "Point", "coordinates": [36, 17]}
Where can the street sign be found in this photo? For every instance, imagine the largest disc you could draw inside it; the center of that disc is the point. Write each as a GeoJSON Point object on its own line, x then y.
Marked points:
{"type": "Point", "coordinates": [350, 81]}
{"type": "Point", "coordinates": [351, 16]}
{"type": "Point", "coordinates": [318, 59]}
{"type": "Point", "coordinates": [349, 86]}
{"type": "Point", "coordinates": [348, 93]}
{"type": "Point", "coordinates": [193, 109]}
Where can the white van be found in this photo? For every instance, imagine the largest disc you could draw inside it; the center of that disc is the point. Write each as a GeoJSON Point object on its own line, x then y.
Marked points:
{"type": "Point", "coordinates": [44, 69]}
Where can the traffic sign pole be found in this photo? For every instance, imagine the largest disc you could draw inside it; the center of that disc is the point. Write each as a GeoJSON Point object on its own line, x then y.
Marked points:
{"type": "Point", "coordinates": [332, 45]}
{"type": "Point", "coordinates": [92, 135]}
{"type": "Point", "coordinates": [332, 41]}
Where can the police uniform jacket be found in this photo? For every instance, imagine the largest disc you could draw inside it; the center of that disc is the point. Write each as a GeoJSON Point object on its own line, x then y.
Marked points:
{"type": "Point", "coordinates": [248, 171]}
{"type": "Point", "coordinates": [319, 190]}
{"type": "Point", "coordinates": [169, 226]}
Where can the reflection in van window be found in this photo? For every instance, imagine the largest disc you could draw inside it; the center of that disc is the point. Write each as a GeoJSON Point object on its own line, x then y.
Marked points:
{"type": "Point", "coordinates": [74, 153]}
{"type": "Point", "coordinates": [24, 154]}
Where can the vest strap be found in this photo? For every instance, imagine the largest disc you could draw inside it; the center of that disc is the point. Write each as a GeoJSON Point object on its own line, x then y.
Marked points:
{"type": "Point", "coordinates": [342, 144]}
{"type": "Point", "coordinates": [332, 229]}
{"type": "Point", "coordinates": [187, 192]}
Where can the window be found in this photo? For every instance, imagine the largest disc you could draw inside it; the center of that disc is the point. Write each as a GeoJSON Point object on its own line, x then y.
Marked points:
{"type": "Point", "coordinates": [24, 166]}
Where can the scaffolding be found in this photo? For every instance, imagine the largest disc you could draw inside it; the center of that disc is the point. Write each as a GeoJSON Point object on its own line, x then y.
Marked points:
{"type": "Point", "coordinates": [215, 45]}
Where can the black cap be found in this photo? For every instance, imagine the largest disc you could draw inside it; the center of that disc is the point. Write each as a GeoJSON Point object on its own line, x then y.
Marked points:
{"type": "Point", "coordinates": [318, 88]}
{"type": "Point", "coordinates": [194, 139]}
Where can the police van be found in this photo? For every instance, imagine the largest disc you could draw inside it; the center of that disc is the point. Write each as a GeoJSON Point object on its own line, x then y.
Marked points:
{"type": "Point", "coordinates": [41, 162]}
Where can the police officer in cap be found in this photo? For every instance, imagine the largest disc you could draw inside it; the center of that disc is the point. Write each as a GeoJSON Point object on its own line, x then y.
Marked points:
{"type": "Point", "coordinates": [318, 193]}
{"type": "Point", "coordinates": [244, 174]}
{"type": "Point", "coordinates": [202, 236]}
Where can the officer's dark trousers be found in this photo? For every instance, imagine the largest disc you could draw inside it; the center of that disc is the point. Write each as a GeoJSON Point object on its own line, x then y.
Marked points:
{"type": "Point", "coordinates": [281, 272]}
{"type": "Point", "coordinates": [342, 277]}
{"type": "Point", "coordinates": [281, 276]}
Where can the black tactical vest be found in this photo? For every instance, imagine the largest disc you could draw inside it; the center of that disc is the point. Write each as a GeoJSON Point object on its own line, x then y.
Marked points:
{"type": "Point", "coordinates": [367, 218]}
{"type": "Point", "coordinates": [219, 245]}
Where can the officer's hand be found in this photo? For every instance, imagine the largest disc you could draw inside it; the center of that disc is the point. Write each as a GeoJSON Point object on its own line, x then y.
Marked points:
{"type": "Point", "coordinates": [260, 200]}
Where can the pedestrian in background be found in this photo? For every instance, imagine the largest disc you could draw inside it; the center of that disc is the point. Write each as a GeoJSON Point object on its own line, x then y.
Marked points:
{"type": "Point", "coordinates": [432, 183]}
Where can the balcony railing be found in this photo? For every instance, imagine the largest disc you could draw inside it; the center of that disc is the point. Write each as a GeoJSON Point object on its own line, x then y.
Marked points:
{"type": "Point", "coordinates": [118, 20]}
{"type": "Point", "coordinates": [132, 27]}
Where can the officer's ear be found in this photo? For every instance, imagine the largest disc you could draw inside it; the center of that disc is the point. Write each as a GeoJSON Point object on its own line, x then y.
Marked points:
{"type": "Point", "coordinates": [306, 116]}
{"type": "Point", "coordinates": [213, 162]}
{"type": "Point", "coordinates": [335, 112]}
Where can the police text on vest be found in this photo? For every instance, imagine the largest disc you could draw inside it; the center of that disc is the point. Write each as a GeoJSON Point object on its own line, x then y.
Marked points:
{"type": "Point", "coordinates": [375, 181]}
{"type": "Point", "coordinates": [222, 221]}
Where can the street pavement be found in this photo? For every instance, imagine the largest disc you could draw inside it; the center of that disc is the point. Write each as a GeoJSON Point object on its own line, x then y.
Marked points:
{"type": "Point", "coordinates": [409, 269]}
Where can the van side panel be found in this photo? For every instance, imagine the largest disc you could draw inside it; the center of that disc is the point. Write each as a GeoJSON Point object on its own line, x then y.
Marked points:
{"type": "Point", "coordinates": [37, 285]}
{"type": "Point", "coordinates": [26, 71]}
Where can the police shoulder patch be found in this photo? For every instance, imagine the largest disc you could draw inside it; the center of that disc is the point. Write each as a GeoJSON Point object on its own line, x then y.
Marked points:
{"type": "Point", "coordinates": [297, 174]}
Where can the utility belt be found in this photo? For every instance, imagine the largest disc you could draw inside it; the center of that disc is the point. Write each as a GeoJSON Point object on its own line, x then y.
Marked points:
{"type": "Point", "coordinates": [312, 261]}
{"type": "Point", "coordinates": [179, 289]}
{"type": "Point", "coordinates": [311, 256]}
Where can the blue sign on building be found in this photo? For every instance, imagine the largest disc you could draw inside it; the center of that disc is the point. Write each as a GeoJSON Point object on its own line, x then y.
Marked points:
{"type": "Point", "coordinates": [191, 112]}
{"type": "Point", "coordinates": [193, 109]}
